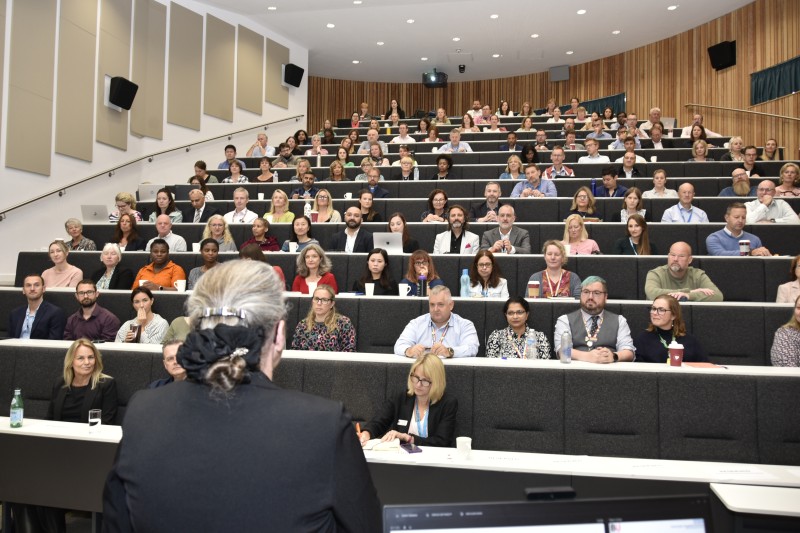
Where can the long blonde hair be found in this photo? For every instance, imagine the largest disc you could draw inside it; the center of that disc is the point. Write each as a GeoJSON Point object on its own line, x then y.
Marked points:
{"type": "Point", "coordinates": [69, 372]}
{"type": "Point", "coordinates": [226, 235]}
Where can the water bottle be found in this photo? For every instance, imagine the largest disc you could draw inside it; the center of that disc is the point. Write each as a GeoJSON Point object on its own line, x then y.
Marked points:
{"type": "Point", "coordinates": [594, 180]}
{"type": "Point", "coordinates": [530, 345]}
{"type": "Point", "coordinates": [388, 129]}
{"type": "Point", "coordinates": [464, 283]}
{"type": "Point", "coordinates": [319, 160]}
{"type": "Point", "coordinates": [307, 210]}
{"type": "Point", "coordinates": [565, 353]}
{"type": "Point", "coordinates": [416, 173]}
{"type": "Point", "coordinates": [275, 176]}
{"type": "Point", "coordinates": [17, 409]}
{"type": "Point", "coordinates": [422, 286]}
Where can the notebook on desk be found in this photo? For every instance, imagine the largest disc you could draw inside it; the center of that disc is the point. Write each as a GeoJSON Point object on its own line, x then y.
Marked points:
{"type": "Point", "coordinates": [688, 514]}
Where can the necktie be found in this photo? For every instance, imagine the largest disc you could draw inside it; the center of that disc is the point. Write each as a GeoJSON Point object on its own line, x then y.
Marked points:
{"type": "Point", "coordinates": [197, 215]}
{"type": "Point", "coordinates": [593, 328]}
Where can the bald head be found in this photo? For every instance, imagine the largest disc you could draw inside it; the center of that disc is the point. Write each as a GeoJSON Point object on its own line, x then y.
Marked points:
{"type": "Point", "coordinates": [163, 225]}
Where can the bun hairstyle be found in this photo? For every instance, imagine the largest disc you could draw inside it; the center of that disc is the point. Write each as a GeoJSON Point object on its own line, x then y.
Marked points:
{"type": "Point", "coordinates": [234, 312]}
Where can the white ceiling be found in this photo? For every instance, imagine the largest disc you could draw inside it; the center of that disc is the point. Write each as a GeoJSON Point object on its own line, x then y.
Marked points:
{"type": "Point", "coordinates": [358, 28]}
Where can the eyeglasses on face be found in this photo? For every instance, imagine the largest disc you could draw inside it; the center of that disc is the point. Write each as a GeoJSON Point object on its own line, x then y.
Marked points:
{"type": "Point", "coordinates": [596, 294]}
{"type": "Point", "coordinates": [484, 265]}
{"type": "Point", "coordinates": [85, 293]}
{"type": "Point", "coordinates": [419, 381]}
{"type": "Point", "coordinates": [318, 300]}
{"type": "Point", "coordinates": [658, 310]}
{"type": "Point", "coordinates": [516, 313]}
{"type": "Point", "coordinates": [420, 263]}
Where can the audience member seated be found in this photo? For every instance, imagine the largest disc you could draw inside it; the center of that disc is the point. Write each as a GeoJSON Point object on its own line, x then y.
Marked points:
{"type": "Point", "coordinates": [610, 188]}
{"type": "Point", "coordinates": [789, 291]}
{"type": "Point", "coordinates": [376, 155]}
{"type": "Point", "coordinates": [622, 136]}
{"type": "Point", "coordinates": [260, 148]}
{"type": "Point", "coordinates": [165, 205]}
{"type": "Point", "coordinates": [468, 124]}
{"type": "Point", "coordinates": [217, 229]}
{"type": "Point", "coordinates": [534, 186]}
{"type": "Point", "coordinates": [422, 414]}
{"type": "Point", "coordinates": [790, 181]}
{"type": "Point", "coordinates": [511, 144]}
{"type": "Point", "coordinates": [316, 147]}
{"type": "Point", "coordinates": [593, 154]}
{"type": "Point", "coordinates": [555, 281]}
{"type": "Point", "coordinates": [408, 168]}
{"type": "Point", "coordinates": [684, 211]}
{"type": "Point", "coordinates": [598, 335]}
{"type": "Point", "coordinates": [198, 212]}
{"type": "Point", "coordinates": [279, 209]}
{"type": "Point", "coordinates": [753, 169]}
{"type": "Point", "coordinates": [667, 326]}
{"type": "Point", "coordinates": [307, 191]}
{"type": "Point", "coordinates": [91, 321]}
{"type": "Point", "coordinates": [230, 157]}
{"type": "Point", "coordinates": [727, 240]}
{"type": "Point", "coordinates": [126, 204]}
{"type": "Point", "coordinates": [201, 172]}
{"type": "Point", "coordinates": [373, 177]}
{"type": "Point", "coordinates": [679, 280]}
{"type": "Point", "coordinates": [570, 143]}
{"type": "Point", "coordinates": [178, 330]}
{"type": "Point", "coordinates": [76, 241]}
{"type": "Point", "coordinates": [485, 277]}
{"type": "Point", "coordinates": [654, 116]}
{"type": "Point", "coordinates": [37, 319]}
{"type": "Point", "coordinates": [584, 205]}
{"type": "Point", "coordinates": [513, 168]}
{"type": "Point", "coordinates": [366, 205]}
{"type": "Point", "coordinates": [301, 234]}
{"type": "Point", "coordinates": [440, 332]}
{"type": "Point", "coordinates": [240, 213]}
{"type": "Point", "coordinates": [437, 207]}
{"type": "Point", "coordinates": [506, 238]}
{"type": "Point", "coordinates": [631, 205]}
{"type": "Point", "coordinates": [161, 274]}
{"type": "Point", "coordinates": [266, 176]}
{"type": "Point", "coordinates": [372, 137]}
{"type": "Point", "coordinates": [324, 329]}
{"type": "Point", "coordinates": [336, 167]}
{"type": "Point", "coordinates": [313, 269]}
{"type": "Point", "coordinates": [261, 237]}
{"type": "Point", "coordinates": [628, 168]}
{"type": "Point", "coordinates": [354, 238]}
{"type": "Point", "coordinates": [285, 158]}
{"type": "Point", "coordinates": [741, 185]}
{"type": "Point", "coordinates": [398, 224]}
{"type": "Point", "coordinates": [659, 189]}
{"type": "Point", "coordinates": [147, 327]}
{"type": "Point", "coordinates": [61, 274]}
{"type": "Point", "coordinates": [658, 139]}
{"type": "Point", "coordinates": [636, 240]}
{"type": "Point", "coordinates": [766, 209]}
{"type": "Point", "coordinates": [112, 275]}
{"type": "Point", "coordinates": [376, 271]}
{"type": "Point", "coordinates": [420, 265]}
{"type": "Point", "coordinates": [598, 130]}
{"type": "Point", "coordinates": [558, 169]}
{"type": "Point", "coordinates": [252, 252]}
{"type": "Point", "coordinates": [576, 240]}
{"type": "Point", "coordinates": [209, 251]}
{"type": "Point", "coordinates": [698, 133]}
{"type": "Point", "coordinates": [164, 229]}
{"type": "Point", "coordinates": [770, 151]}
{"type": "Point", "coordinates": [510, 342]}
{"type": "Point", "coordinates": [200, 183]}
{"type": "Point", "coordinates": [529, 156]}
{"type": "Point", "coordinates": [404, 137]}
{"type": "Point", "coordinates": [786, 344]}
{"type": "Point", "coordinates": [541, 144]}
{"type": "Point", "coordinates": [169, 354]}
{"type": "Point", "coordinates": [456, 145]}
{"type": "Point", "coordinates": [629, 145]}
{"type": "Point", "coordinates": [736, 153]}
{"type": "Point", "coordinates": [457, 239]}
{"type": "Point", "coordinates": [556, 118]}
{"type": "Point", "coordinates": [486, 211]}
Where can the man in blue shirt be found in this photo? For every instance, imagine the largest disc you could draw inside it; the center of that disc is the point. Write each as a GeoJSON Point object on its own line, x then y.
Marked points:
{"type": "Point", "coordinates": [727, 240]}
{"type": "Point", "coordinates": [610, 189]}
{"type": "Point", "coordinates": [534, 186]}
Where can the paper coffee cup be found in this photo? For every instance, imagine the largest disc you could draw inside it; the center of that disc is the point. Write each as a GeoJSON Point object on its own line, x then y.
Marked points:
{"type": "Point", "coordinates": [369, 289]}
{"type": "Point", "coordinates": [675, 353]}
{"type": "Point", "coordinates": [312, 286]}
{"type": "Point", "coordinates": [533, 289]}
{"type": "Point", "coordinates": [653, 158]}
{"type": "Point", "coordinates": [566, 248]}
{"type": "Point", "coordinates": [464, 447]}
{"type": "Point", "coordinates": [180, 285]}
{"type": "Point", "coordinates": [261, 196]}
{"type": "Point", "coordinates": [744, 247]}
{"type": "Point", "coordinates": [293, 247]}
{"type": "Point", "coordinates": [196, 247]}
{"type": "Point", "coordinates": [142, 282]}
{"type": "Point", "coordinates": [314, 216]}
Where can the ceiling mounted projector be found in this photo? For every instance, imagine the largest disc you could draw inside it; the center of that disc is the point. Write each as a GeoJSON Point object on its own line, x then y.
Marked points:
{"type": "Point", "coordinates": [434, 79]}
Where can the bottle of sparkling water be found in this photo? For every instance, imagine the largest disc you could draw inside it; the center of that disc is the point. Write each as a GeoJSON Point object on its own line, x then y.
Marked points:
{"type": "Point", "coordinates": [17, 409]}
{"type": "Point", "coordinates": [565, 354]}
{"type": "Point", "coordinates": [530, 346]}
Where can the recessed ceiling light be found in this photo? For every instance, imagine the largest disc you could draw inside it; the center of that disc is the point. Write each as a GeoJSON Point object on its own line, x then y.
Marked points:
{"type": "Point", "coordinates": [534, 35]}
{"type": "Point", "coordinates": [357, 2]}
{"type": "Point", "coordinates": [356, 61]}
{"type": "Point", "coordinates": [615, 32]}
{"type": "Point", "coordinates": [329, 25]}
{"type": "Point", "coordinates": [380, 43]}
{"type": "Point", "coordinates": [672, 8]}
{"type": "Point", "coordinates": [424, 58]}
{"type": "Point", "coordinates": [494, 16]}
{"type": "Point", "coordinates": [272, 8]}
{"type": "Point", "coordinates": [410, 21]}
{"type": "Point", "coordinates": [456, 39]}
{"type": "Point", "coordinates": [495, 56]}
{"type": "Point", "coordinates": [570, 52]}
{"type": "Point", "coordinates": [581, 12]}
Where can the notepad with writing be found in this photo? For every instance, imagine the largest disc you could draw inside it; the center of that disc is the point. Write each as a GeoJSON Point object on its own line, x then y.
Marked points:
{"type": "Point", "coordinates": [377, 445]}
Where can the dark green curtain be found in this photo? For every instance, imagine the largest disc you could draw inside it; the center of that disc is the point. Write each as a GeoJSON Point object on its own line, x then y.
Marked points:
{"type": "Point", "coordinates": [774, 82]}
{"type": "Point", "coordinates": [615, 102]}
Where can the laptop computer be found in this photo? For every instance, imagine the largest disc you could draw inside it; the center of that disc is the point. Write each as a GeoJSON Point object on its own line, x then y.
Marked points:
{"type": "Point", "coordinates": [147, 192]}
{"type": "Point", "coordinates": [688, 514]}
{"type": "Point", "coordinates": [94, 213]}
{"type": "Point", "coordinates": [391, 242]}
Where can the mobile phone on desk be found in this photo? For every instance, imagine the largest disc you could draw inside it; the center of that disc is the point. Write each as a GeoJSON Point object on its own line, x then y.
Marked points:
{"type": "Point", "coordinates": [410, 447]}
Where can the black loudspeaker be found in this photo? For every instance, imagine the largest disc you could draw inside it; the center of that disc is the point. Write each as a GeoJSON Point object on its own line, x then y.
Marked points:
{"type": "Point", "coordinates": [722, 55]}
{"type": "Point", "coordinates": [121, 92]}
{"type": "Point", "coordinates": [293, 75]}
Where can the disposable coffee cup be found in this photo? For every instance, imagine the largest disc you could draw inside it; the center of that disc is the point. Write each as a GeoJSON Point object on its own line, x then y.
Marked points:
{"type": "Point", "coordinates": [727, 145]}
{"type": "Point", "coordinates": [675, 353]}
{"type": "Point", "coordinates": [744, 247]}
{"type": "Point", "coordinates": [95, 420]}
{"type": "Point", "coordinates": [196, 247]}
{"type": "Point", "coordinates": [653, 158]}
{"type": "Point", "coordinates": [293, 247]}
{"type": "Point", "coordinates": [464, 447]}
{"type": "Point", "coordinates": [314, 216]}
{"type": "Point", "coordinates": [261, 196]}
{"type": "Point", "coordinates": [566, 248]}
{"type": "Point", "coordinates": [142, 282]}
{"type": "Point", "coordinates": [369, 289]}
{"type": "Point", "coordinates": [312, 286]}
{"type": "Point", "coordinates": [404, 290]}
{"type": "Point", "coordinates": [533, 289]}
{"type": "Point", "coordinates": [180, 285]}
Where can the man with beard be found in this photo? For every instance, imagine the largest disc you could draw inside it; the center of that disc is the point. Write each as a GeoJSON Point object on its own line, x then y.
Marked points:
{"type": "Point", "coordinates": [598, 336]}
{"type": "Point", "coordinates": [534, 186]}
{"type": "Point", "coordinates": [38, 319]}
{"type": "Point", "coordinates": [741, 185]}
{"type": "Point", "coordinates": [91, 321]}
{"type": "Point", "coordinates": [352, 239]}
{"type": "Point", "coordinates": [679, 280]}
{"type": "Point", "coordinates": [457, 240]}
{"type": "Point", "coordinates": [727, 240]}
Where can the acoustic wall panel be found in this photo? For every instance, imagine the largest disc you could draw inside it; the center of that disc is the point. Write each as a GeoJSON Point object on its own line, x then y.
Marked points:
{"type": "Point", "coordinates": [149, 43]}
{"type": "Point", "coordinates": [2, 51]}
{"type": "Point", "coordinates": [184, 87]}
{"type": "Point", "coordinates": [77, 46]}
{"type": "Point", "coordinates": [114, 60]}
{"type": "Point", "coordinates": [220, 61]}
{"type": "Point", "coordinates": [250, 71]}
{"type": "Point", "coordinates": [30, 86]}
{"type": "Point", "coordinates": [277, 56]}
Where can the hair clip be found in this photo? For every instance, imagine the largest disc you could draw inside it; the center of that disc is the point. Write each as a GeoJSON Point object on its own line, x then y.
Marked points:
{"type": "Point", "coordinates": [223, 311]}
{"type": "Point", "coordinates": [239, 352]}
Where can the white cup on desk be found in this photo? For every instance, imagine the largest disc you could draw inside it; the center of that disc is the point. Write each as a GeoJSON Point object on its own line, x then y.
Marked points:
{"type": "Point", "coordinates": [369, 289]}
{"type": "Point", "coordinates": [404, 289]}
{"type": "Point", "coordinates": [463, 447]}
{"type": "Point", "coordinates": [261, 196]}
{"type": "Point", "coordinates": [312, 286]}
{"type": "Point", "coordinates": [196, 247]}
{"type": "Point", "coordinates": [180, 285]}
{"type": "Point", "coordinates": [95, 420]}
{"type": "Point", "coordinates": [292, 247]}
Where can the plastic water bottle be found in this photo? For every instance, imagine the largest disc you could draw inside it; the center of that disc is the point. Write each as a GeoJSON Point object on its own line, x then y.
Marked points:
{"type": "Point", "coordinates": [565, 354]}
{"type": "Point", "coordinates": [594, 180]}
{"type": "Point", "coordinates": [319, 160]}
{"type": "Point", "coordinates": [17, 409]}
{"type": "Point", "coordinates": [465, 283]}
{"type": "Point", "coordinates": [307, 210]}
{"type": "Point", "coordinates": [422, 286]}
{"type": "Point", "coordinates": [416, 173]}
{"type": "Point", "coordinates": [275, 176]}
{"type": "Point", "coordinates": [530, 346]}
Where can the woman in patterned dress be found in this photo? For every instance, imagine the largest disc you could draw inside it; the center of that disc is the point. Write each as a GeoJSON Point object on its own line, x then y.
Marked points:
{"type": "Point", "coordinates": [324, 329]}
{"type": "Point", "coordinates": [510, 342]}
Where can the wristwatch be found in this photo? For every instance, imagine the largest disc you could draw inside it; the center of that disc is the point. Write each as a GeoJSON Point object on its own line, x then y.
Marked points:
{"type": "Point", "coordinates": [161, 287]}
{"type": "Point", "coordinates": [616, 357]}
{"type": "Point", "coordinates": [451, 351]}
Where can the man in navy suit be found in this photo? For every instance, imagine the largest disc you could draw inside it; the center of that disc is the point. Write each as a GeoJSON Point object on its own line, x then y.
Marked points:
{"type": "Point", "coordinates": [373, 176]}
{"type": "Point", "coordinates": [199, 211]}
{"type": "Point", "coordinates": [353, 239]}
{"type": "Point", "coordinates": [38, 319]}
{"type": "Point", "coordinates": [511, 144]}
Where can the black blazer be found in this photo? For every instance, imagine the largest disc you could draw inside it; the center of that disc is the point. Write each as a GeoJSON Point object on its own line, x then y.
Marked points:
{"type": "Point", "coordinates": [307, 445]}
{"type": "Point", "coordinates": [397, 412]}
{"type": "Point", "coordinates": [121, 279]}
{"type": "Point", "coordinates": [380, 192]}
{"type": "Point", "coordinates": [623, 247]}
{"type": "Point", "coordinates": [136, 245]}
{"type": "Point", "coordinates": [48, 325]}
{"type": "Point", "coordinates": [363, 245]}
{"type": "Point", "coordinates": [104, 397]}
{"type": "Point", "coordinates": [208, 212]}
{"type": "Point", "coordinates": [379, 290]}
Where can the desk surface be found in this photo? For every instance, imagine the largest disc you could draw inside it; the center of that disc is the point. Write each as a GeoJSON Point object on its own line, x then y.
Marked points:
{"type": "Point", "coordinates": [32, 427]}
{"type": "Point", "coordinates": [781, 501]}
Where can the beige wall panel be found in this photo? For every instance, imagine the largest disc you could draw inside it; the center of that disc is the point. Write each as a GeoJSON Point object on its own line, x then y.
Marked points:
{"type": "Point", "coordinates": [114, 60]}
{"type": "Point", "coordinates": [185, 67]}
{"type": "Point", "coordinates": [220, 58]}
{"type": "Point", "coordinates": [250, 71]}
{"type": "Point", "coordinates": [81, 13]}
{"type": "Point", "coordinates": [149, 43]}
{"type": "Point", "coordinates": [30, 86]}
{"type": "Point", "coordinates": [277, 55]}
{"type": "Point", "coordinates": [2, 51]}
